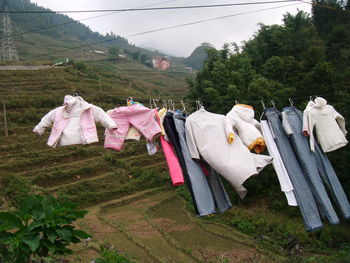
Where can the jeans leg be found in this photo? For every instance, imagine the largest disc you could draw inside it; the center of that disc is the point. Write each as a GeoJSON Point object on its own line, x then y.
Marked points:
{"type": "Point", "coordinates": [308, 163]}
{"type": "Point", "coordinates": [303, 194]}
{"type": "Point", "coordinates": [220, 196]}
{"type": "Point", "coordinates": [332, 182]}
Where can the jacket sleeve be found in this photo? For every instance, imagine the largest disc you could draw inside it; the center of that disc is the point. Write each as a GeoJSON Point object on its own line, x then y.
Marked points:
{"type": "Point", "coordinates": [46, 122]}
{"type": "Point", "coordinates": [230, 122]}
{"type": "Point", "coordinates": [102, 117]}
{"type": "Point", "coordinates": [306, 129]}
{"type": "Point", "coordinates": [311, 131]}
{"type": "Point", "coordinates": [341, 121]}
{"type": "Point", "coordinates": [191, 140]}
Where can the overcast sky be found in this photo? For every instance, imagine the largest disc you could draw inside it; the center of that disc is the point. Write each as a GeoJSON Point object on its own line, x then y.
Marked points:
{"type": "Point", "coordinates": [179, 41]}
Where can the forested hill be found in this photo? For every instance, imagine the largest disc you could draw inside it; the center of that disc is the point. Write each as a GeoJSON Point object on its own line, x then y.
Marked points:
{"type": "Point", "coordinates": [45, 33]}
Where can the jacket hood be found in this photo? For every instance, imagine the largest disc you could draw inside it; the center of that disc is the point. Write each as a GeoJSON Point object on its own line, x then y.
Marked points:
{"type": "Point", "coordinates": [69, 102]}
{"type": "Point", "coordinates": [320, 102]}
{"type": "Point", "coordinates": [245, 112]}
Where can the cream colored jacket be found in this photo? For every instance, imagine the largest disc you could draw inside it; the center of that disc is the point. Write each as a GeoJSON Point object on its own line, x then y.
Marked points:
{"type": "Point", "coordinates": [329, 126]}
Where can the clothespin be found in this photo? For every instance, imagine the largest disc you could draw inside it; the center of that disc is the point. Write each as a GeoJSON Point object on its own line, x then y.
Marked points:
{"type": "Point", "coordinates": [150, 103]}
{"type": "Point", "coordinates": [310, 98]}
{"type": "Point", "coordinates": [236, 101]}
{"type": "Point", "coordinates": [75, 95]}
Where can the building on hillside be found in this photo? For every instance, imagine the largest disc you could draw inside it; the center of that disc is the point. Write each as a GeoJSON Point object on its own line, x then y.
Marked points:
{"type": "Point", "coordinates": [189, 69]}
{"type": "Point", "coordinates": [61, 62]}
{"type": "Point", "coordinates": [161, 62]}
{"type": "Point", "coordinates": [97, 52]}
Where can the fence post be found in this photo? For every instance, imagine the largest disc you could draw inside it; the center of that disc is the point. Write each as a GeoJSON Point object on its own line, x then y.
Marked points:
{"type": "Point", "coordinates": [100, 84]}
{"type": "Point", "coordinates": [5, 119]}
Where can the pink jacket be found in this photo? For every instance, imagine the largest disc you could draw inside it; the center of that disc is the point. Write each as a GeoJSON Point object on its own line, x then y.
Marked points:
{"type": "Point", "coordinates": [83, 132]}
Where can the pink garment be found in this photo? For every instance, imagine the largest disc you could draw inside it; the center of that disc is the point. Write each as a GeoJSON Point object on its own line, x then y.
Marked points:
{"type": "Point", "coordinates": [88, 126]}
{"type": "Point", "coordinates": [171, 159]}
{"type": "Point", "coordinates": [141, 117]}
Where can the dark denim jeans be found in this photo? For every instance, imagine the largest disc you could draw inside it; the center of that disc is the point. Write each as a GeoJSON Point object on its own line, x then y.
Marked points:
{"type": "Point", "coordinates": [303, 194]}
{"type": "Point", "coordinates": [293, 127]}
{"type": "Point", "coordinates": [201, 190]}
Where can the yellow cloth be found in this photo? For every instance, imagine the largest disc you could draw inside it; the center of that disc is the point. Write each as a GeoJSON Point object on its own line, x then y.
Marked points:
{"type": "Point", "coordinates": [161, 114]}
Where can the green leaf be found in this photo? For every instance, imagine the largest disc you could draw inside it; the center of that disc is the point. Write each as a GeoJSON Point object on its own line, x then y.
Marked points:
{"type": "Point", "coordinates": [5, 237]}
{"type": "Point", "coordinates": [51, 247]}
{"type": "Point", "coordinates": [75, 240]}
{"type": "Point", "coordinates": [34, 225]}
{"type": "Point", "coordinates": [9, 221]}
{"type": "Point", "coordinates": [80, 234]}
{"type": "Point", "coordinates": [65, 234]}
{"type": "Point", "coordinates": [51, 235]}
{"type": "Point", "coordinates": [32, 242]}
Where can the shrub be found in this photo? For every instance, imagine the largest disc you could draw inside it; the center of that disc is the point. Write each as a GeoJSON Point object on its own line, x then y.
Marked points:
{"type": "Point", "coordinates": [41, 226]}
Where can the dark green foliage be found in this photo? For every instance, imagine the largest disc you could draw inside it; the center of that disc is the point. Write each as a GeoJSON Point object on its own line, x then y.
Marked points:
{"type": "Point", "coordinates": [40, 227]}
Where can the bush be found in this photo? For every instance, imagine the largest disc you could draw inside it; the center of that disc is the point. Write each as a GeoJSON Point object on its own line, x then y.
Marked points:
{"type": "Point", "coordinates": [41, 226]}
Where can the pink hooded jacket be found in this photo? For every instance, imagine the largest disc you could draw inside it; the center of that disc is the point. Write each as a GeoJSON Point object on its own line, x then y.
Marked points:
{"type": "Point", "coordinates": [81, 128]}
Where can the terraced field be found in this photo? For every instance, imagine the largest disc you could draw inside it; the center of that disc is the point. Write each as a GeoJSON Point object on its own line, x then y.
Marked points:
{"type": "Point", "coordinates": [152, 226]}
{"type": "Point", "coordinates": [85, 174]}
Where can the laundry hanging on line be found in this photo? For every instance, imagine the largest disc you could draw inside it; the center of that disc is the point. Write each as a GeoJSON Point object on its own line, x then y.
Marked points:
{"type": "Point", "coordinates": [225, 144]}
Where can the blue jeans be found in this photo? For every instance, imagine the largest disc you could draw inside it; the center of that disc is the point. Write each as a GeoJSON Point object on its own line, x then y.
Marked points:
{"type": "Point", "coordinates": [293, 127]}
{"type": "Point", "coordinates": [201, 191]}
{"type": "Point", "coordinates": [302, 192]}
{"type": "Point", "coordinates": [329, 177]}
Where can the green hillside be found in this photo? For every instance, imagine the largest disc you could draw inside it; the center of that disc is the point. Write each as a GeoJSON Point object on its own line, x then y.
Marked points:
{"type": "Point", "coordinates": [198, 56]}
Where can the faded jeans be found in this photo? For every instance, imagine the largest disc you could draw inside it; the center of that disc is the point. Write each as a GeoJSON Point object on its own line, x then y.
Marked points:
{"type": "Point", "coordinates": [329, 177]}
{"type": "Point", "coordinates": [305, 199]}
{"type": "Point", "coordinates": [293, 127]}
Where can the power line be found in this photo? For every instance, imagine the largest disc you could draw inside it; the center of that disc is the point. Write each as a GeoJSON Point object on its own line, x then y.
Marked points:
{"type": "Point", "coordinates": [146, 9]}
{"type": "Point", "coordinates": [167, 28]}
{"type": "Point", "coordinates": [79, 20]}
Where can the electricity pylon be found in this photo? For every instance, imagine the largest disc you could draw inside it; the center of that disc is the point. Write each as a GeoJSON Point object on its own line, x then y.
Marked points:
{"type": "Point", "coordinates": [8, 50]}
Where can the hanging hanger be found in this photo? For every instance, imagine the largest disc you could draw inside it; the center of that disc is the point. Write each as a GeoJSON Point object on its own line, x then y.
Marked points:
{"type": "Point", "coordinates": [165, 105]}
{"type": "Point", "coordinates": [291, 102]}
{"type": "Point", "coordinates": [273, 103]}
{"type": "Point", "coordinates": [263, 104]}
{"type": "Point", "coordinates": [154, 103]}
{"type": "Point", "coordinates": [171, 105]}
{"type": "Point", "coordinates": [184, 108]}
{"type": "Point", "coordinates": [197, 105]}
